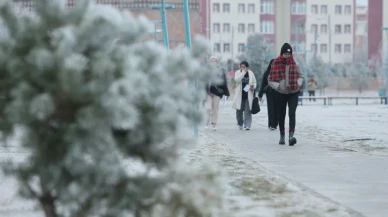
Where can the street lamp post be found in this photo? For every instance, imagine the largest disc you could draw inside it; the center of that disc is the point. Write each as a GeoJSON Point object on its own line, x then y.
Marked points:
{"type": "Point", "coordinates": [305, 70]}
{"type": "Point", "coordinates": [188, 45]}
{"type": "Point", "coordinates": [162, 7]}
{"type": "Point", "coordinates": [386, 76]}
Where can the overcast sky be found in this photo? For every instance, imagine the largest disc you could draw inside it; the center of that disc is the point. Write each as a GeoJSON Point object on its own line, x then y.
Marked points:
{"type": "Point", "coordinates": [362, 2]}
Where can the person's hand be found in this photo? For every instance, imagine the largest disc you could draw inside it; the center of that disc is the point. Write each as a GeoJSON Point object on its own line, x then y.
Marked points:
{"type": "Point", "coordinates": [252, 87]}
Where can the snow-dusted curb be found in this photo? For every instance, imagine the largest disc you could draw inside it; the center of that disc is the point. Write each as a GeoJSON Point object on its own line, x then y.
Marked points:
{"type": "Point", "coordinates": [255, 191]}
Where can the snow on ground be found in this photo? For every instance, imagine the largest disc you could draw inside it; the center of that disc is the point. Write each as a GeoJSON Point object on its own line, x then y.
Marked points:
{"type": "Point", "coordinates": [360, 128]}
{"type": "Point", "coordinates": [11, 205]}
{"type": "Point", "coordinates": [253, 191]}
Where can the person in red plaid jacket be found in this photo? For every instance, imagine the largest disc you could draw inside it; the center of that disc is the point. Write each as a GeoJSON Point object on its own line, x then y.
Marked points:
{"type": "Point", "coordinates": [286, 78]}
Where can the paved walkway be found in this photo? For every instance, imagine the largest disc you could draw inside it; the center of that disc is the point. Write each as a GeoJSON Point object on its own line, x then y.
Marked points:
{"type": "Point", "coordinates": [356, 180]}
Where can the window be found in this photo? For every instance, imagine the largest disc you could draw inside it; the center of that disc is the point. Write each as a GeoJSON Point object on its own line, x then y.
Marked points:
{"type": "Point", "coordinates": [314, 48]}
{"type": "Point", "coordinates": [267, 27]}
{"type": "Point", "coordinates": [251, 28]}
{"type": "Point", "coordinates": [323, 9]}
{"type": "Point", "coordinates": [348, 29]}
{"type": "Point", "coordinates": [267, 7]}
{"type": "Point", "coordinates": [347, 48]}
{"type": "Point", "coordinates": [314, 9]}
{"type": "Point", "coordinates": [314, 28]}
{"type": "Point", "coordinates": [251, 8]}
{"type": "Point", "coordinates": [226, 27]}
{"type": "Point", "coordinates": [323, 48]}
{"type": "Point", "coordinates": [298, 28]}
{"type": "Point", "coordinates": [226, 8]}
{"type": "Point", "coordinates": [298, 46]}
{"type": "Point", "coordinates": [241, 47]}
{"type": "Point", "coordinates": [298, 8]}
{"type": "Point", "coordinates": [337, 48]}
{"type": "Point", "coordinates": [216, 28]}
{"type": "Point", "coordinates": [217, 47]}
{"type": "Point", "coordinates": [348, 10]}
{"type": "Point", "coordinates": [241, 28]}
{"type": "Point", "coordinates": [323, 29]}
{"type": "Point", "coordinates": [241, 8]}
{"type": "Point", "coordinates": [338, 9]}
{"type": "Point", "coordinates": [338, 29]}
{"type": "Point", "coordinates": [226, 47]}
{"type": "Point", "coordinates": [216, 7]}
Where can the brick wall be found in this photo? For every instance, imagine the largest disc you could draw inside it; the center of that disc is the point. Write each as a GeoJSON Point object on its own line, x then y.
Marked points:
{"type": "Point", "coordinates": [175, 24]}
{"type": "Point", "coordinates": [175, 17]}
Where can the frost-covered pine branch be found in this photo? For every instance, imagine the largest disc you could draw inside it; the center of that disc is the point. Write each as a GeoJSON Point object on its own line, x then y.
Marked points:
{"type": "Point", "coordinates": [360, 76]}
{"type": "Point", "coordinates": [319, 69]}
{"type": "Point", "coordinates": [259, 54]}
{"type": "Point", "coordinates": [88, 104]}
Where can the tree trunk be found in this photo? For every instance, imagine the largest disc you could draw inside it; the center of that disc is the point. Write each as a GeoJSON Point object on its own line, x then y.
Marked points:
{"type": "Point", "coordinates": [47, 202]}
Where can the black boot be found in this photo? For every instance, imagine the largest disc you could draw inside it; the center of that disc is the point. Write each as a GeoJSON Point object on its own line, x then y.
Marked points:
{"type": "Point", "coordinates": [292, 139]}
{"type": "Point", "coordinates": [282, 139]}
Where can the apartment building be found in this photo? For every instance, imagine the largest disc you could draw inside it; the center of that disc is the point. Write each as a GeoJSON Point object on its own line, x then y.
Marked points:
{"type": "Point", "coordinates": [231, 22]}
{"type": "Point", "coordinates": [330, 30]}
{"type": "Point", "coordinates": [377, 39]}
{"type": "Point", "coordinates": [361, 43]}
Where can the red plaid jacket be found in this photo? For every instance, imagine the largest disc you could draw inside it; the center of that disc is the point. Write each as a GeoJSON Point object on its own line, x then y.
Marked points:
{"type": "Point", "coordinates": [278, 72]}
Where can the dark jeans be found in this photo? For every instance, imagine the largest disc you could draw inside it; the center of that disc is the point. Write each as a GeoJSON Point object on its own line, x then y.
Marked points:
{"type": "Point", "coordinates": [272, 108]}
{"type": "Point", "coordinates": [312, 93]}
{"type": "Point", "coordinates": [282, 101]}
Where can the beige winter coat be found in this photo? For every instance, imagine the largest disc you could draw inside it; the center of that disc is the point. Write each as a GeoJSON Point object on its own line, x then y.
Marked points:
{"type": "Point", "coordinates": [238, 91]}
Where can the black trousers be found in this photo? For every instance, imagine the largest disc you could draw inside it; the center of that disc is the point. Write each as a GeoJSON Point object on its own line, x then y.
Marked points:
{"type": "Point", "coordinates": [282, 101]}
{"type": "Point", "coordinates": [272, 108]}
{"type": "Point", "coordinates": [311, 93]}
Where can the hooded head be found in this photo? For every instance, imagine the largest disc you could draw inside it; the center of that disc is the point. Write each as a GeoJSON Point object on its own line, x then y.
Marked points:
{"type": "Point", "coordinates": [213, 60]}
{"type": "Point", "coordinates": [286, 51]}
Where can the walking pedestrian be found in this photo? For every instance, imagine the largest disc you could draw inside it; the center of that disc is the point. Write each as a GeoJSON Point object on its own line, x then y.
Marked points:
{"type": "Point", "coordinates": [286, 78]}
{"type": "Point", "coordinates": [312, 86]}
{"type": "Point", "coordinates": [215, 91]}
{"type": "Point", "coordinates": [271, 99]}
{"type": "Point", "coordinates": [244, 93]}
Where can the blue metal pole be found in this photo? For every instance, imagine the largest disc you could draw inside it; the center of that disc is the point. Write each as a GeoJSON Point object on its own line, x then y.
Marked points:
{"type": "Point", "coordinates": [156, 34]}
{"type": "Point", "coordinates": [306, 72]}
{"type": "Point", "coordinates": [386, 75]}
{"type": "Point", "coordinates": [188, 45]}
{"type": "Point", "coordinates": [164, 22]}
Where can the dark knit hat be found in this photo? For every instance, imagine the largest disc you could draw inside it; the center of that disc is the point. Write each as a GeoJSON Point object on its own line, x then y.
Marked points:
{"type": "Point", "coordinates": [286, 48]}
{"type": "Point", "coordinates": [245, 63]}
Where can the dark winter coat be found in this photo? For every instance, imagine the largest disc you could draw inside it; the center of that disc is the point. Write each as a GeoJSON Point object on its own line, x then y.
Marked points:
{"type": "Point", "coordinates": [264, 87]}
{"type": "Point", "coordinates": [221, 86]}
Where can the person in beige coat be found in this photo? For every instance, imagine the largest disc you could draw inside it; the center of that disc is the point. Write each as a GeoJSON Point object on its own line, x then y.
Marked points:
{"type": "Point", "coordinates": [215, 91]}
{"type": "Point", "coordinates": [244, 93]}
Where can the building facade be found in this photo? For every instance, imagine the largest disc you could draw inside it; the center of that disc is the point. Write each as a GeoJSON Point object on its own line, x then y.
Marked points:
{"type": "Point", "coordinates": [232, 21]}
{"type": "Point", "coordinates": [361, 43]}
{"type": "Point", "coordinates": [330, 30]}
{"type": "Point", "coordinates": [377, 39]}
{"type": "Point", "coordinates": [375, 35]}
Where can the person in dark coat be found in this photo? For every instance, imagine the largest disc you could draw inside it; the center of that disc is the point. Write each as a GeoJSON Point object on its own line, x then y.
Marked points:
{"type": "Point", "coordinates": [286, 77]}
{"type": "Point", "coordinates": [271, 99]}
{"type": "Point", "coordinates": [215, 91]}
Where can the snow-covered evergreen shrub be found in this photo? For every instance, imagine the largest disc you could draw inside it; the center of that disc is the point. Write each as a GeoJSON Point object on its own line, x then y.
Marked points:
{"type": "Point", "coordinates": [93, 107]}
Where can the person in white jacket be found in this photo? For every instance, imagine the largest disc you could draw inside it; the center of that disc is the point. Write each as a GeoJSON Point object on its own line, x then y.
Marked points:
{"type": "Point", "coordinates": [243, 96]}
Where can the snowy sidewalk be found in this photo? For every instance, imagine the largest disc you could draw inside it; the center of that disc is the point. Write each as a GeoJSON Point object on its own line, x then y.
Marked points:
{"type": "Point", "coordinates": [354, 179]}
